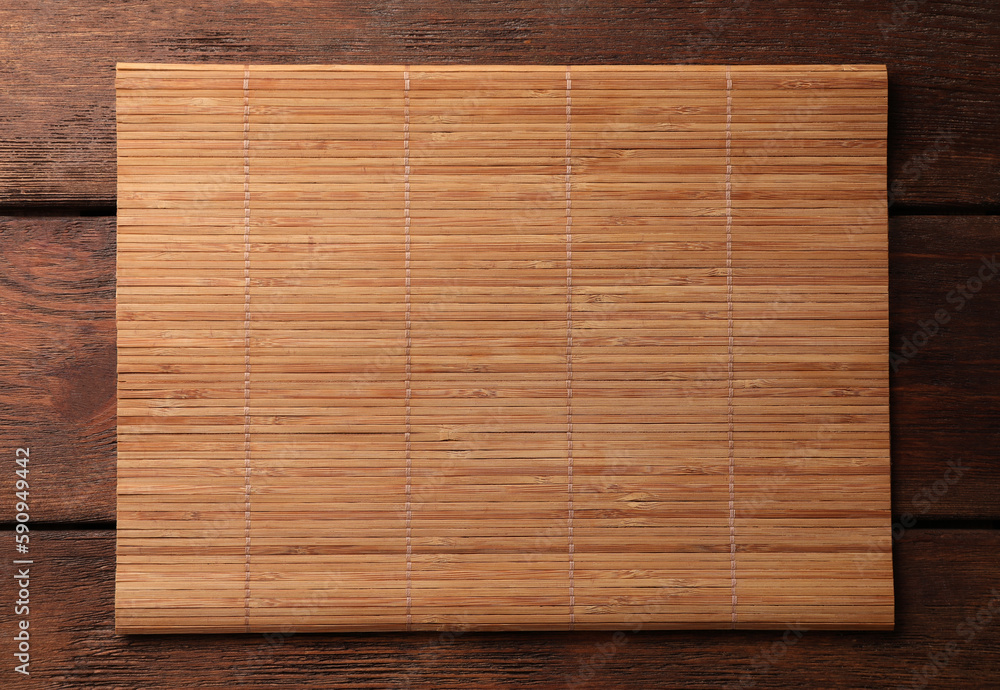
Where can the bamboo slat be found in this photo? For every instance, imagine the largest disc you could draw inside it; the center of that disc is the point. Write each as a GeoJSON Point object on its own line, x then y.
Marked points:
{"type": "Point", "coordinates": [502, 347]}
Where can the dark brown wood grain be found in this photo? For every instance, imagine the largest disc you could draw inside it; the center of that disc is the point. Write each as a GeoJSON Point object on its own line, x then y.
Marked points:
{"type": "Point", "coordinates": [943, 579]}
{"type": "Point", "coordinates": [944, 336]}
{"type": "Point", "coordinates": [57, 357]}
{"type": "Point", "coordinates": [57, 363]}
{"type": "Point", "coordinates": [58, 366]}
{"type": "Point", "coordinates": [57, 66]}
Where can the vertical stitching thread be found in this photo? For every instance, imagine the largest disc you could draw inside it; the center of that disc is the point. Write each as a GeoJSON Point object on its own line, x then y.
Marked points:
{"type": "Point", "coordinates": [246, 346]}
{"type": "Point", "coordinates": [406, 262]}
{"type": "Point", "coordinates": [569, 344]}
{"type": "Point", "coordinates": [729, 318]}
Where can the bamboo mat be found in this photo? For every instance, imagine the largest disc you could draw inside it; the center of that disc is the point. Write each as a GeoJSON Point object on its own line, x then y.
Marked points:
{"type": "Point", "coordinates": [520, 347]}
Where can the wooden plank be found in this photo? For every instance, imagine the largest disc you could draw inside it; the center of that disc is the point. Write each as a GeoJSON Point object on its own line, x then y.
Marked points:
{"type": "Point", "coordinates": [944, 299]}
{"type": "Point", "coordinates": [57, 362]}
{"type": "Point", "coordinates": [58, 377]}
{"type": "Point", "coordinates": [58, 114]}
{"type": "Point", "coordinates": [947, 634]}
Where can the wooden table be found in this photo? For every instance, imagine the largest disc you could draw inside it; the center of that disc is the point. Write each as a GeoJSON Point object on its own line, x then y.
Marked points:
{"type": "Point", "coordinates": [57, 253]}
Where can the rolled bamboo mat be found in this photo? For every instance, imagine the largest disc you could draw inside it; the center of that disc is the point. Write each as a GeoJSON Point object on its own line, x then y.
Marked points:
{"type": "Point", "coordinates": [502, 347]}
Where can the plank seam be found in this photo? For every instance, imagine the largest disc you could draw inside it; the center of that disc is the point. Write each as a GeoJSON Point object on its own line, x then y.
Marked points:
{"type": "Point", "coordinates": [246, 346]}
{"type": "Point", "coordinates": [406, 261]}
{"type": "Point", "coordinates": [569, 342]}
{"type": "Point", "coordinates": [729, 329]}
